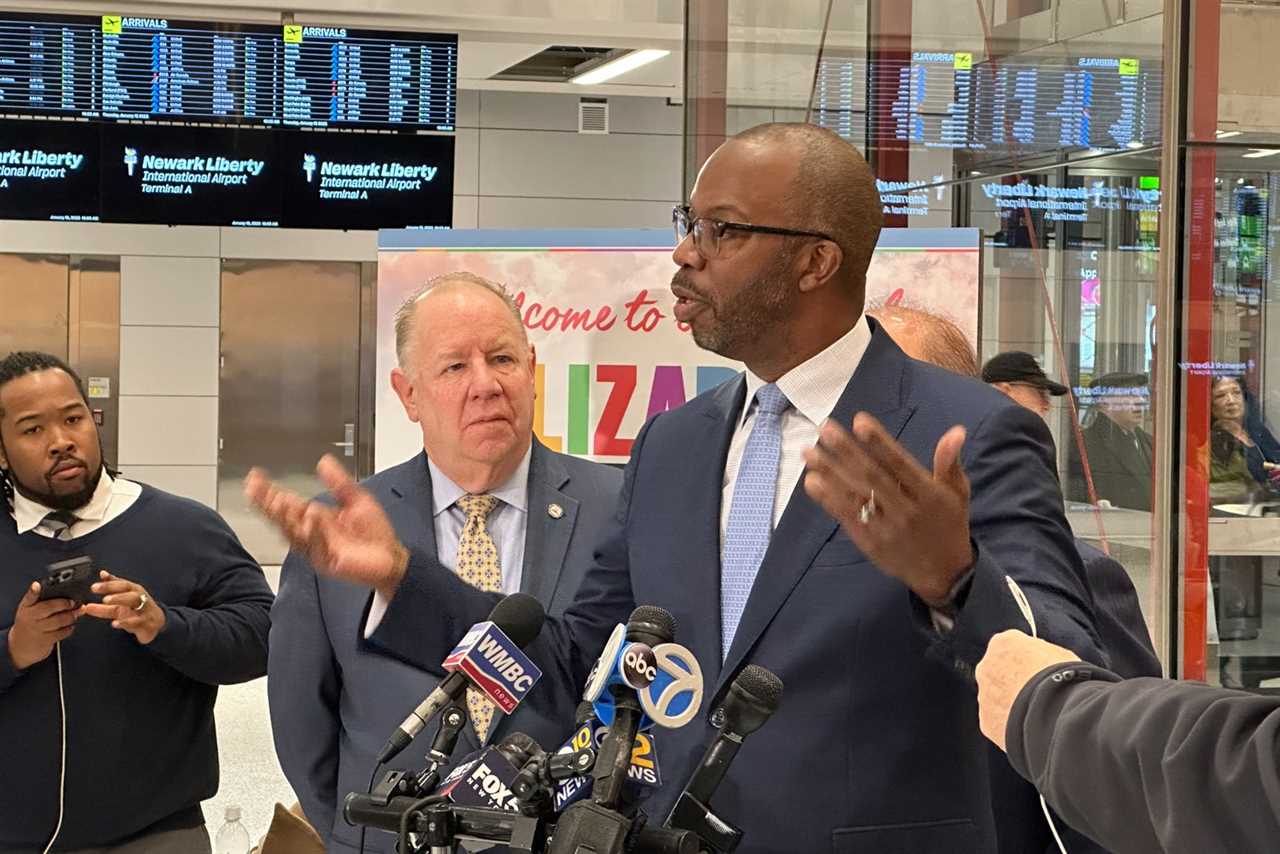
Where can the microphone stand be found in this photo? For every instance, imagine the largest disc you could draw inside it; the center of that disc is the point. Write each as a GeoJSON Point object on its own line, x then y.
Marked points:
{"type": "Point", "coordinates": [453, 720]}
{"type": "Point", "coordinates": [596, 826]}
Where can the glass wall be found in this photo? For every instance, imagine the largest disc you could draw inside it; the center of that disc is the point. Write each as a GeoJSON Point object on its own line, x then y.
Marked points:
{"type": "Point", "coordinates": [1228, 376]}
{"type": "Point", "coordinates": [1044, 124]}
{"type": "Point", "coordinates": [1038, 122]}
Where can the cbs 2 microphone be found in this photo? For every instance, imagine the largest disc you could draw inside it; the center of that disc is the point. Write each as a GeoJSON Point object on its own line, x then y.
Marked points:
{"type": "Point", "coordinates": [643, 770]}
{"type": "Point", "coordinates": [489, 657]}
{"type": "Point", "coordinates": [753, 696]}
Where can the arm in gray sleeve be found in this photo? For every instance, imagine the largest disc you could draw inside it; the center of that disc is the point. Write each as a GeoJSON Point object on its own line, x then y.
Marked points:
{"type": "Point", "coordinates": [1148, 764]}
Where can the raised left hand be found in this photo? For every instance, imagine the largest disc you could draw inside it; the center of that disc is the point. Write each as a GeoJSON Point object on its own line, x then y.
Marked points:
{"type": "Point", "coordinates": [916, 523]}
{"type": "Point", "coordinates": [128, 606]}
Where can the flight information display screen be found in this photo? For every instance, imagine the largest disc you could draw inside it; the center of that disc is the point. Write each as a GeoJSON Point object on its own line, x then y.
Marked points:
{"type": "Point", "coordinates": [156, 68]}
{"type": "Point", "coordinates": [368, 181]}
{"type": "Point", "coordinates": [174, 176]}
{"type": "Point", "coordinates": [48, 64]}
{"type": "Point", "coordinates": [48, 170]}
{"type": "Point", "coordinates": [131, 68]}
{"type": "Point", "coordinates": [338, 77]}
{"type": "Point", "coordinates": [946, 100]}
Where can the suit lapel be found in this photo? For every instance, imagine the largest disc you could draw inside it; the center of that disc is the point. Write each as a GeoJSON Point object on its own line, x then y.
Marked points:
{"type": "Point", "coordinates": [547, 529]}
{"type": "Point", "coordinates": [411, 508]}
{"type": "Point", "coordinates": [876, 388]}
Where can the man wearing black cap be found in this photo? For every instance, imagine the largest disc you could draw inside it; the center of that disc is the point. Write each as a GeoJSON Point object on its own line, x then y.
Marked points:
{"type": "Point", "coordinates": [1018, 375]}
{"type": "Point", "coordinates": [1119, 450]}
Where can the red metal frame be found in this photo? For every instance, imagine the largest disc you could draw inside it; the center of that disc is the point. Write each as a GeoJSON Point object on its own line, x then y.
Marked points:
{"type": "Point", "coordinates": [1202, 105]}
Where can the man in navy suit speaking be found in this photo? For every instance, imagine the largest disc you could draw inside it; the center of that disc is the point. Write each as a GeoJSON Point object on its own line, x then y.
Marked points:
{"type": "Point", "coordinates": [840, 514]}
{"type": "Point", "coordinates": [483, 486]}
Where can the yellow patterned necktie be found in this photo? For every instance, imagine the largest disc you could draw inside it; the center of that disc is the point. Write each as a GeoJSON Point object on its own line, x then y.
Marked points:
{"type": "Point", "coordinates": [477, 565]}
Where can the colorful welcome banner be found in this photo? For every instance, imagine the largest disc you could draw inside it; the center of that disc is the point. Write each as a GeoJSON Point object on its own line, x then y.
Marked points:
{"type": "Point", "coordinates": [597, 306]}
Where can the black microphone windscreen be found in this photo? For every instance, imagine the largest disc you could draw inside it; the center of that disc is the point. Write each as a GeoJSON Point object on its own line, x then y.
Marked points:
{"type": "Point", "coordinates": [520, 616]}
{"type": "Point", "coordinates": [519, 748]}
{"type": "Point", "coordinates": [763, 686]}
{"type": "Point", "coordinates": [653, 621]}
{"type": "Point", "coordinates": [585, 712]}
{"type": "Point", "coordinates": [753, 697]}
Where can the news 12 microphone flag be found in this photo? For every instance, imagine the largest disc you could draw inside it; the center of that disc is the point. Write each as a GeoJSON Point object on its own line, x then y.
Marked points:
{"type": "Point", "coordinates": [597, 307]}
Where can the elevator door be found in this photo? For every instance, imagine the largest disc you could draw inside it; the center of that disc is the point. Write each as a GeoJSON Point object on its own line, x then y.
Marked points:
{"type": "Point", "coordinates": [33, 297]}
{"type": "Point", "coordinates": [289, 382]}
{"type": "Point", "coordinates": [68, 306]}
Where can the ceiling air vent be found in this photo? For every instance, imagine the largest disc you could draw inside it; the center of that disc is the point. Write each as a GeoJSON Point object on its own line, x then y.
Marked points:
{"type": "Point", "coordinates": [555, 64]}
{"type": "Point", "coordinates": [593, 115]}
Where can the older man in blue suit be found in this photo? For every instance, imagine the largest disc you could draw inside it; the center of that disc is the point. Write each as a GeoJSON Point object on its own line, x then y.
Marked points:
{"type": "Point", "coordinates": [852, 562]}
{"type": "Point", "coordinates": [483, 481]}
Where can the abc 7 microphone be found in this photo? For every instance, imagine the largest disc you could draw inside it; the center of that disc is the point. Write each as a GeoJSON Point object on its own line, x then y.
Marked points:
{"type": "Point", "coordinates": [642, 678]}
{"type": "Point", "coordinates": [665, 677]}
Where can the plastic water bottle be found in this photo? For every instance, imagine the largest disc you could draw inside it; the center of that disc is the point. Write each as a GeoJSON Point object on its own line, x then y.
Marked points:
{"type": "Point", "coordinates": [232, 838]}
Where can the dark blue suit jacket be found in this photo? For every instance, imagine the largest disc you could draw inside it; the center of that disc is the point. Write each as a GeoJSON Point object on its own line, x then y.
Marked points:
{"type": "Point", "coordinates": [333, 705]}
{"type": "Point", "coordinates": [1121, 626]}
{"type": "Point", "coordinates": [876, 745]}
{"type": "Point", "coordinates": [1122, 631]}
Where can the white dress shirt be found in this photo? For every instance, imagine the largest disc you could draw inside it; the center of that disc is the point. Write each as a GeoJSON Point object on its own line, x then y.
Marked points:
{"type": "Point", "coordinates": [813, 387]}
{"type": "Point", "coordinates": [111, 498]}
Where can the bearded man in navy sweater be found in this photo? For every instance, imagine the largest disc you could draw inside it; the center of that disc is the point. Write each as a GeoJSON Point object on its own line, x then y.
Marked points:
{"type": "Point", "coordinates": [178, 607]}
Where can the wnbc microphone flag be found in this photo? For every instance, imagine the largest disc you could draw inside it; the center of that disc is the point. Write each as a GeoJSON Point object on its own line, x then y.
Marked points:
{"type": "Point", "coordinates": [495, 664]}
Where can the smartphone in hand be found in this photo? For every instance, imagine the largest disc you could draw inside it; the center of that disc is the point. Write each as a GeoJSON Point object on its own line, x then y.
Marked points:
{"type": "Point", "coordinates": [68, 579]}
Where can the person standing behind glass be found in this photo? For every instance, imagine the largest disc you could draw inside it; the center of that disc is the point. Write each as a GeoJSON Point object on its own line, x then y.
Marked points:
{"type": "Point", "coordinates": [1240, 471]}
{"type": "Point", "coordinates": [1119, 450]}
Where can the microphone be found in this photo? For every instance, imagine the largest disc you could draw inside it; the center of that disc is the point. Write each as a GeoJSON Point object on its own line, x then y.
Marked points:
{"type": "Point", "coordinates": [595, 825]}
{"type": "Point", "coordinates": [643, 770]}
{"type": "Point", "coordinates": [665, 676]}
{"type": "Point", "coordinates": [752, 698]}
{"type": "Point", "coordinates": [486, 780]}
{"type": "Point", "coordinates": [488, 657]}
{"type": "Point", "coordinates": [648, 627]}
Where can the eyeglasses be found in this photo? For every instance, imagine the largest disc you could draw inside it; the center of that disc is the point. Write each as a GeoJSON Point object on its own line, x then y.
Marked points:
{"type": "Point", "coordinates": [708, 233]}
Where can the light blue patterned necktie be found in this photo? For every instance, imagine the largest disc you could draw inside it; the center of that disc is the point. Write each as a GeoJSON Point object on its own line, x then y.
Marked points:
{"type": "Point", "coordinates": [746, 536]}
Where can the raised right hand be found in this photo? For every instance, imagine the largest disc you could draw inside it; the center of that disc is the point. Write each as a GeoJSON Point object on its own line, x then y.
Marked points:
{"type": "Point", "coordinates": [353, 541]}
{"type": "Point", "coordinates": [38, 626]}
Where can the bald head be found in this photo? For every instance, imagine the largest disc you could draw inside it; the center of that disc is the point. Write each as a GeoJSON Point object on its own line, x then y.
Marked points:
{"type": "Point", "coordinates": [406, 318]}
{"type": "Point", "coordinates": [833, 191]}
{"type": "Point", "coordinates": [928, 338]}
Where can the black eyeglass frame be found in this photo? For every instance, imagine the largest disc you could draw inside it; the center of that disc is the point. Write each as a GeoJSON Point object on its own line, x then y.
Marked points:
{"type": "Point", "coordinates": [683, 212]}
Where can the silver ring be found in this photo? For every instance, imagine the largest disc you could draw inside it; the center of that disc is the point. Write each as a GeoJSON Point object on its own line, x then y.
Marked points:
{"type": "Point", "coordinates": [868, 510]}
{"type": "Point", "coordinates": [142, 602]}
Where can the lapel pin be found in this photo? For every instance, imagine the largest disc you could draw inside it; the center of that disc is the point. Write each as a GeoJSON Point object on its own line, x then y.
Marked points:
{"type": "Point", "coordinates": [555, 511]}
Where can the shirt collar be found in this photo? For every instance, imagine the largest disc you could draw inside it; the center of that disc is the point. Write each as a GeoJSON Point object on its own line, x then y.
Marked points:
{"type": "Point", "coordinates": [29, 514]}
{"type": "Point", "coordinates": [514, 491]}
{"type": "Point", "coordinates": [814, 387]}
